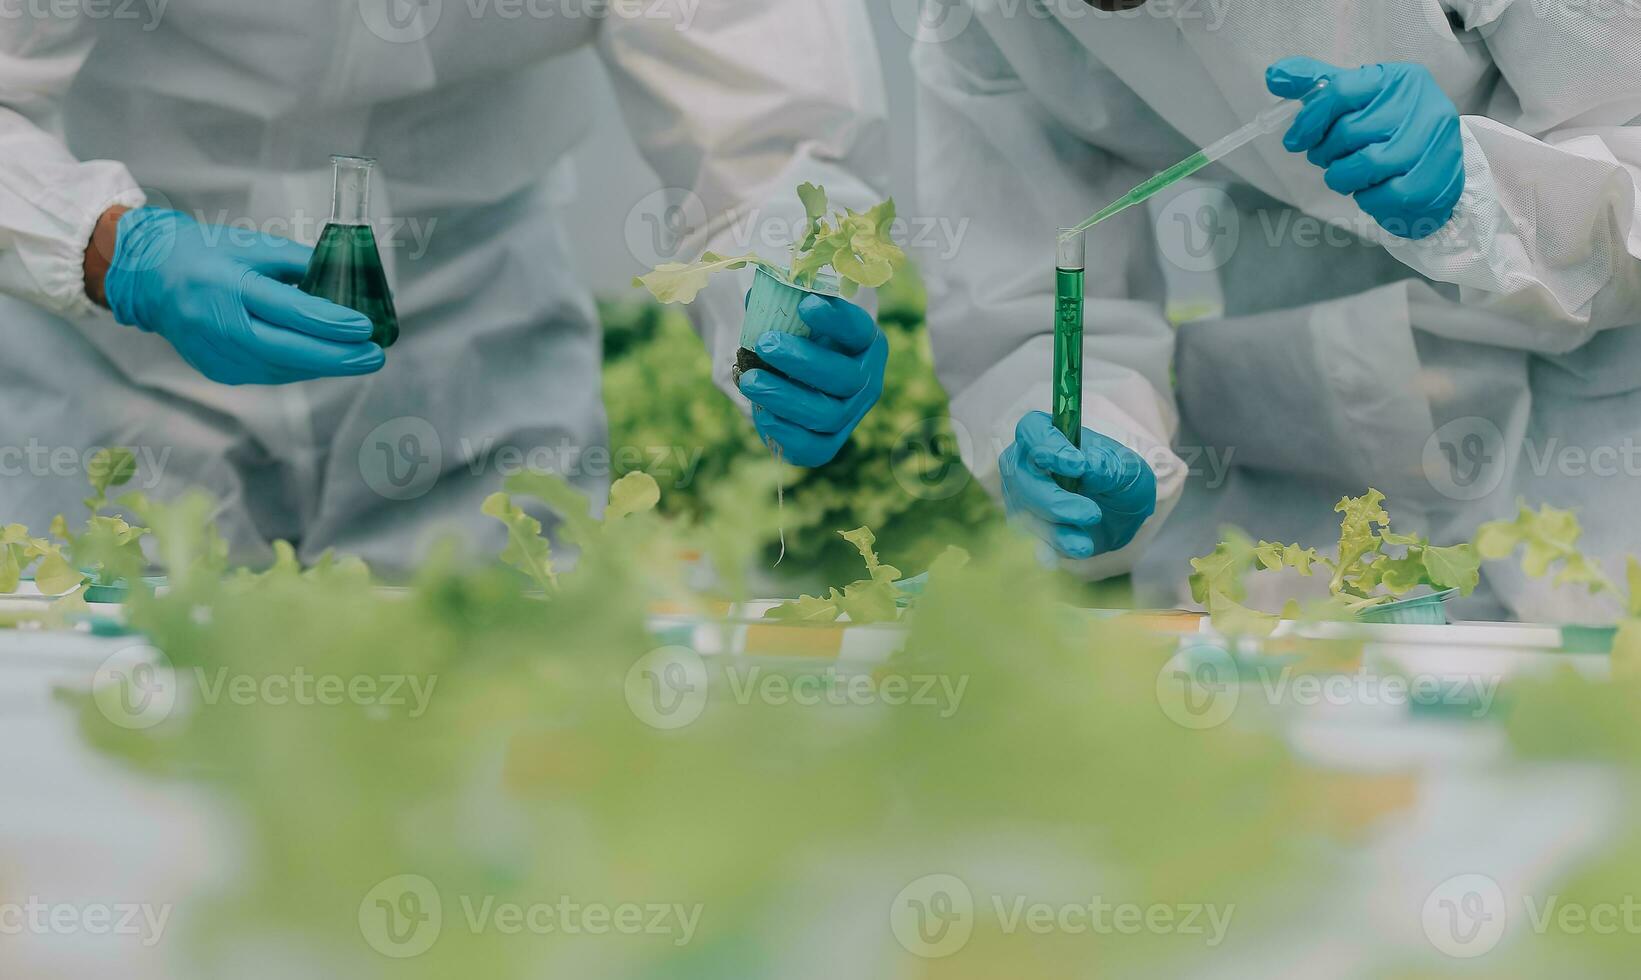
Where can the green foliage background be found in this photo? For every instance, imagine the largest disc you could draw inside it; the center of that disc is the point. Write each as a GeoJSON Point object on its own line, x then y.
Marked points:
{"type": "Point", "coordinates": [900, 474]}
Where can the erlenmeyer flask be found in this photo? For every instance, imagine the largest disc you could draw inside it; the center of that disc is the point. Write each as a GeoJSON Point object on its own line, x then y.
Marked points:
{"type": "Point", "coordinates": [346, 267]}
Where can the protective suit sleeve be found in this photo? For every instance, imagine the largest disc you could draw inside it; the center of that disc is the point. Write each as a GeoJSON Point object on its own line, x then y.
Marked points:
{"type": "Point", "coordinates": [734, 108]}
{"type": "Point", "coordinates": [993, 159]}
{"type": "Point", "coordinates": [49, 201]}
{"type": "Point", "coordinates": [1548, 231]}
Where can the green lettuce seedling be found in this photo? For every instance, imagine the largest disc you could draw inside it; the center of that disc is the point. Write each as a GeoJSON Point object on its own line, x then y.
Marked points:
{"type": "Point", "coordinates": [1549, 538]}
{"type": "Point", "coordinates": [857, 247]}
{"type": "Point", "coordinates": [874, 599]}
{"type": "Point", "coordinates": [529, 552]}
{"type": "Point", "coordinates": [109, 545]}
{"type": "Point", "coordinates": [1374, 565]}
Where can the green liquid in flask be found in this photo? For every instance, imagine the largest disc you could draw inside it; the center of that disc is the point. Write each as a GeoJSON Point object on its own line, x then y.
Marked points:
{"type": "Point", "coordinates": [347, 266]}
{"type": "Point", "coordinates": [347, 270]}
{"type": "Point", "coordinates": [1068, 344]}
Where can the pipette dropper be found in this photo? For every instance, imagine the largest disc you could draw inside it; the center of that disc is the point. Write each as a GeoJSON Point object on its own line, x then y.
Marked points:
{"type": "Point", "coordinates": [1270, 120]}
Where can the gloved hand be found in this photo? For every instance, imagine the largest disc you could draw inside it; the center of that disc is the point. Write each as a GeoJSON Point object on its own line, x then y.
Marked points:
{"type": "Point", "coordinates": [1386, 134]}
{"type": "Point", "coordinates": [1116, 489]}
{"type": "Point", "coordinates": [227, 304]}
{"type": "Point", "coordinates": [833, 378]}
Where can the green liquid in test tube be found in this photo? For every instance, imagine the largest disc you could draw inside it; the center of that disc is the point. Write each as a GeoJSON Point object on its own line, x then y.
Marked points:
{"type": "Point", "coordinates": [1069, 267]}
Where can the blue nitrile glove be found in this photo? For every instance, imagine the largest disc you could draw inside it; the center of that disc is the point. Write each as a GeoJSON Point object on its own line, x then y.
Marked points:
{"type": "Point", "coordinates": [224, 299]}
{"type": "Point", "coordinates": [1386, 134]}
{"type": "Point", "coordinates": [1116, 489]}
{"type": "Point", "coordinates": [833, 378]}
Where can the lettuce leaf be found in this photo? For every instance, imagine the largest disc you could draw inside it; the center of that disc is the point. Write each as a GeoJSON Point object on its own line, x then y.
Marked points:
{"type": "Point", "coordinates": [681, 282]}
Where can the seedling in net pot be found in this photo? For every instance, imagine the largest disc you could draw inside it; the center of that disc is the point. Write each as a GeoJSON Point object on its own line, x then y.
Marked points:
{"type": "Point", "coordinates": [856, 247]}
{"type": "Point", "coordinates": [1375, 567]}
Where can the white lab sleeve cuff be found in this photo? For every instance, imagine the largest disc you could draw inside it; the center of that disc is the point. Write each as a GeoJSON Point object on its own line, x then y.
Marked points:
{"type": "Point", "coordinates": [44, 257]}
{"type": "Point", "coordinates": [1540, 234]}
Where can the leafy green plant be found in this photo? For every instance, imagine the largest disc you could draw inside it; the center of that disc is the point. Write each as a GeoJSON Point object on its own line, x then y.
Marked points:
{"type": "Point", "coordinates": [530, 773]}
{"type": "Point", "coordinates": [858, 247]}
{"type": "Point", "coordinates": [1374, 565]}
{"type": "Point", "coordinates": [874, 599]}
{"type": "Point", "coordinates": [900, 473]}
{"type": "Point", "coordinates": [109, 547]}
{"type": "Point", "coordinates": [1549, 540]}
{"type": "Point", "coordinates": [529, 552]}
{"type": "Point", "coordinates": [19, 550]}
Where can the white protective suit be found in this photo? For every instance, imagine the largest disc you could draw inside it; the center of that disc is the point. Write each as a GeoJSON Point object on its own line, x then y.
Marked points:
{"type": "Point", "coordinates": [230, 109]}
{"type": "Point", "coordinates": [1494, 360]}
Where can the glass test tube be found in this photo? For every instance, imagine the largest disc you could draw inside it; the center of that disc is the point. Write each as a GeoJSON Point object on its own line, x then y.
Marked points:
{"type": "Point", "coordinates": [1069, 265]}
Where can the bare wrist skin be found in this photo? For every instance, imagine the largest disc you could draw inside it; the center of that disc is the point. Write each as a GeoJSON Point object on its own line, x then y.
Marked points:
{"type": "Point", "coordinates": [99, 253]}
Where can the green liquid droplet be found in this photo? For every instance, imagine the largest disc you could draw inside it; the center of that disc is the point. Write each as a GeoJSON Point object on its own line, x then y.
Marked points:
{"type": "Point", "coordinates": [347, 270]}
